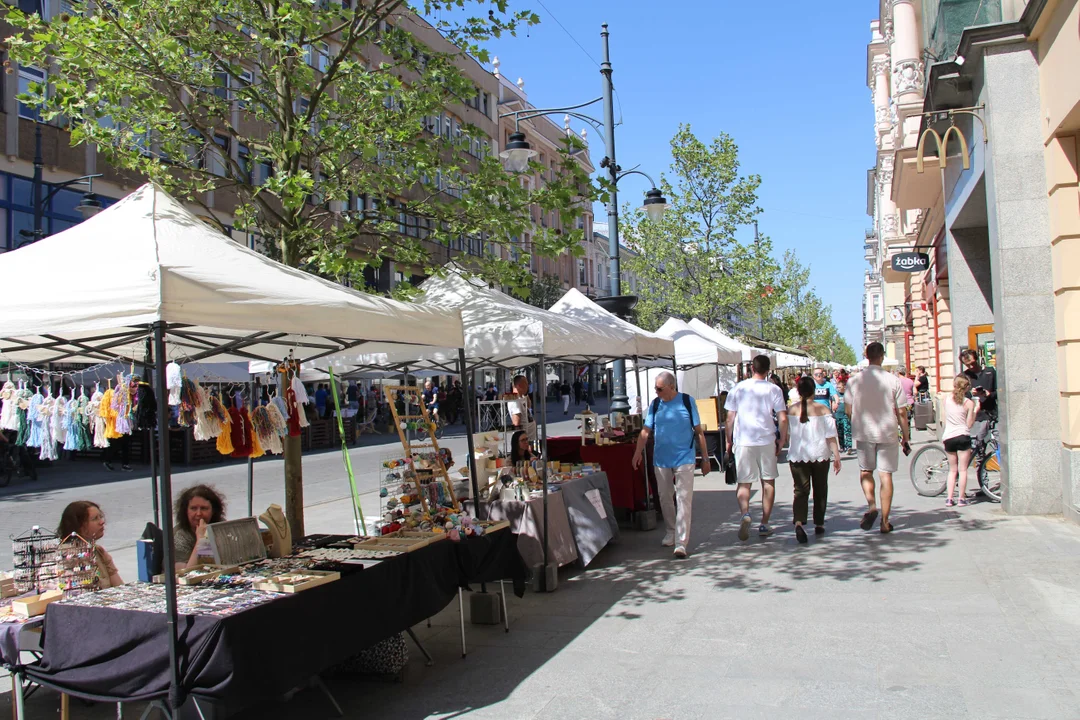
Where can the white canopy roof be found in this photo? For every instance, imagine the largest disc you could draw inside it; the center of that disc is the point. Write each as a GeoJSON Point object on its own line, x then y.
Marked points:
{"type": "Point", "coordinates": [499, 330]}
{"type": "Point", "coordinates": [91, 293]}
{"type": "Point", "coordinates": [692, 348]}
{"type": "Point", "coordinates": [746, 352]}
{"type": "Point", "coordinates": [574, 304]}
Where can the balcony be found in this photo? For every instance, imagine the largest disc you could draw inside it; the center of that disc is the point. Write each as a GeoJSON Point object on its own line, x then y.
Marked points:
{"type": "Point", "coordinates": [872, 278]}
{"type": "Point", "coordinates": [870, 251]}
{"type": "Point", "coordinates": [944, 21]}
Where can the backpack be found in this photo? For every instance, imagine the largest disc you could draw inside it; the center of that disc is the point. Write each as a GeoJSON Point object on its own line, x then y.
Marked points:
{"type": "Point", "coordinates": [689, 412]}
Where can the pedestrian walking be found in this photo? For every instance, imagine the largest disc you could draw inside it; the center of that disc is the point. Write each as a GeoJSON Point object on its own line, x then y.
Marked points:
{"type": "Point", "coordinates": [877, 405]}
{"type": "Point", "coordinates": [751, 432]}
{"type": "Point", "coordinates": [824, 390]}
{"type": "Point", "coordinates": [909, 391]}
{"type": "Point", "coordinates": [813, 442]}
{"type": "Point", "coordinates": [577, 391]}
{"type": "Point", "coordinates": [843, 422]}
{"type": "Point", "coordinates": [922, 384]}
{"type": "Point", "coordinates": [564, 390]}
{"type": "Point", "coordinates": [960, 413]}
{"type": "Point", "coordinates": [674, 424]}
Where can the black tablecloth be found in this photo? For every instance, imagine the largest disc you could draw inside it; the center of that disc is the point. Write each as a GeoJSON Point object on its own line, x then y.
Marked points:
{"type": "Point", "coordinates": [120, 655]}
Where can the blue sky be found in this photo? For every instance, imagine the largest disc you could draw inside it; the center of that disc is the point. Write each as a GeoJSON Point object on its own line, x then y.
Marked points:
{"type": "Point", "coordinates": [787, 83]}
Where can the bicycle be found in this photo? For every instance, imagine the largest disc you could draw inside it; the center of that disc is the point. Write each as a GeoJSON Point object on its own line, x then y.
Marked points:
{"type": "Point", "coordinates": [930, 467]}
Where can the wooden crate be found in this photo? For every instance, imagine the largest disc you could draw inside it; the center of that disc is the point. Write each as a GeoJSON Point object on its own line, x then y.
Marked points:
{"type": "Point", "coordinates": [35, 605]}
{"type": "Point", "coordinates": [298, 581]}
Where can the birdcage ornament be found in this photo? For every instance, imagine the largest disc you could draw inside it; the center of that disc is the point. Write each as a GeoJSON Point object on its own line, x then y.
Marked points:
{"type": "Point", "coordinates": [76, 565]}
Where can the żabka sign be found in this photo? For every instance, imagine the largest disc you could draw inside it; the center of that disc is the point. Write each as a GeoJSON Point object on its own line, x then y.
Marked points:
{"type": "Point", "coordinates": [910, 262]}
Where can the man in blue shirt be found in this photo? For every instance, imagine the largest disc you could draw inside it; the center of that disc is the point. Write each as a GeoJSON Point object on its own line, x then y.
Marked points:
{"type": "Point", "coordinates": [825, 391]}
{"type": "Point", "coordinates": [674, 423]}
{"type": "Point", "coordinates": [322, 395]}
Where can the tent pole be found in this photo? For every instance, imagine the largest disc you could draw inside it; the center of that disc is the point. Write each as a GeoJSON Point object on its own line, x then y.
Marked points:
{"type": "Point", "coordinates": [469, 393]}
{"type": "Point", "coordinates": [543, 479]}
{"type": "Point", "coordinates": [251, 460]}
{"type": "Point", "coordinates": [641, 406]}
{"type": "Point", "coordinates": [176, 692]}
{"type": "Point", "coordinates": [162, 399]}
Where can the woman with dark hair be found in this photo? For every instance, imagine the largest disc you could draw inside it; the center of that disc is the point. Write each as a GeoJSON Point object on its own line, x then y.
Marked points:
{"type": "Point", "coordinates": [197, 507]}
{"type": "Point", "coordinates": [519, 448]}
{"type": "Point", "coordinates": [813, 439]}
{"type": "Point", "coordinates": [85, 518]}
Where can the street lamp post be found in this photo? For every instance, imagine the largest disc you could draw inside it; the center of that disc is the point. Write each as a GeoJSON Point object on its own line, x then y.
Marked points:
{"type": "Point", "coordinates": [87, 207]}
{"type": "Point", "coordinates": [516, 156]}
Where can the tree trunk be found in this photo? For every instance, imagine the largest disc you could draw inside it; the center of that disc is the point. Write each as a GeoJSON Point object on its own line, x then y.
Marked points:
{"type": "Point", "coordinates": [294, 486]}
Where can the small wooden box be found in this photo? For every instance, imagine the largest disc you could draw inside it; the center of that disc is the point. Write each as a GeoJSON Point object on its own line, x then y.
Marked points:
{"type": "Point", "coordinates": [298, 581]}
{"type": "Point", "coordinates": [7, 588]}
{"type": "Point", "coordinates": [490, 527]}
{"type": "Point", "coordinates": [35, 604]}
{"type": "Point", "coordinates": [401, 542]}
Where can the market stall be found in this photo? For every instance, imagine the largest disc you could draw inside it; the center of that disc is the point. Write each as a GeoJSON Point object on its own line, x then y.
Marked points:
{"type": "Point", "coordinates": [196, 295]}
{"type": "Point", "coordinates": [500, 332]}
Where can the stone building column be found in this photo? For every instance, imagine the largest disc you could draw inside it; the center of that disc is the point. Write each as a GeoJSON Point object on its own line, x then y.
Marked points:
{"type": "Point", "coordinates": [907, 57]}
{"type": "Point", "coordinates": [881, 94]}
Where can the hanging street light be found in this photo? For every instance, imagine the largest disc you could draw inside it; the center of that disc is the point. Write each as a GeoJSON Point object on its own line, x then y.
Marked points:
{"type": "Point", "coordinates": [517, 154]}
{"type": "Point", "coordinates": [655, 205]}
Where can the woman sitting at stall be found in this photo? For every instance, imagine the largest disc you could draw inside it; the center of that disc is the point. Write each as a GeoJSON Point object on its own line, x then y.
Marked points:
{"type": "Point", "coordinates": [197, 507]}
{"type": "Point", "coordinates": [86, 519]}
{"type": "Point", "coordinates": [519, 448]}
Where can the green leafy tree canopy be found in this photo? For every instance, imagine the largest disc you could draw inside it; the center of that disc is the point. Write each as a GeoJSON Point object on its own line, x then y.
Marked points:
{"type": "Point", "coordinates": [329, 103]}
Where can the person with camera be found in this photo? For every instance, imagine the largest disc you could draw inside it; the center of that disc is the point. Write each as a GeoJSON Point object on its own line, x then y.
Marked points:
{"type": "Point", "coordinates": [984, 388]}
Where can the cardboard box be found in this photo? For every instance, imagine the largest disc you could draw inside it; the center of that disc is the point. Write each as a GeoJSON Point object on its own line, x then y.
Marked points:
{"type": "Point", "coordinates": [35, 605]}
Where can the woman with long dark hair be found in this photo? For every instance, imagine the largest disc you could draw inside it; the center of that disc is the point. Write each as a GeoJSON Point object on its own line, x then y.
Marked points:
{"type": "Point", "coordinates": [86, 518]}
{"type": "Point", "coordinates": [197, 507]}
{"type": "Point", "coordinates": [813, 440]}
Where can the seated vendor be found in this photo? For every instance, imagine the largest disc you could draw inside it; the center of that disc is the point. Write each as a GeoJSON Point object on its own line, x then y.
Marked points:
{"type": "Point", "coordinates": [519, 448]}
{"type": "Point", "coordinates": [197, 507]}
{"type": "Point", "coordinates": [86, 519]}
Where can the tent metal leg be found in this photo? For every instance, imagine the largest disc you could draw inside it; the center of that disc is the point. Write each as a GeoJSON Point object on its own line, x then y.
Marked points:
{"type": "Point", "coordinates": [17, 693]}
{"type": "Point", "coordinates": [542, 374]}
{"type": "Point", "coordinates": [165, 491]}
{"type": "Point", "coordinates": [428, 660]}
{"type": "Point", "coordinates": [506, 612]}
{"type": "Point", "coordinates": [461, 615]}
{"type": "Point", "coordinates": [317, 682]}
{"type": "Point", "coordinates": [468, 408]}
{"type": "Point", "coordinates": [162, 396]}
{"type": "Point", "coordinates": [251, 460]}
{"type": "Point", "coordinates": [156, 705]}
{"type": "Point", "coordinates": [641, 408]}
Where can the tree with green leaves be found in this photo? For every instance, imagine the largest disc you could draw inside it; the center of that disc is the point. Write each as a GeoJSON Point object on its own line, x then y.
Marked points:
{"type": "Point", "coordinates": [545, 291]}
{"type": "Point", "coordinates": [314, 117]}
{"type": "Point", "coordinates": [686, 262]}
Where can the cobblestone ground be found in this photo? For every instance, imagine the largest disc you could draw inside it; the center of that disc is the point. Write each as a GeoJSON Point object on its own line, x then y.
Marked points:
{"type": "Point", "coordinates": [959, 613]}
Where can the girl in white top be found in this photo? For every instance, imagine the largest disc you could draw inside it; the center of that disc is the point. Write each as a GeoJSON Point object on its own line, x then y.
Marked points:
{"type": "Point", "coordinates": [960, 414]}
{"type": "Point", "coordinates": [813, 442]}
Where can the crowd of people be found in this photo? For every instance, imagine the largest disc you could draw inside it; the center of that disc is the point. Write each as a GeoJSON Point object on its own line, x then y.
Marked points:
{"type": "Point", "coordinates": [818, 419]}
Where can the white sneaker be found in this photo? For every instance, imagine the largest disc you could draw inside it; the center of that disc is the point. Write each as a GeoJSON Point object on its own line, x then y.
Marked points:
{"type": "Point", "coordinates": [744, 528]}
{"type": "Point", "coordinates": [668, 541]}
{"type": "Point", "coordinates": [680, 552]}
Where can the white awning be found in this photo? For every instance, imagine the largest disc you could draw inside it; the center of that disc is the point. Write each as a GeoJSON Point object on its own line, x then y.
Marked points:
{"type": "Point", "coordinates": [574, 304]}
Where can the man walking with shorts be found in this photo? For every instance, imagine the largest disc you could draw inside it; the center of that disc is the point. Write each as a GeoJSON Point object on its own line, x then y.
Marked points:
{"type": "Point", "coordinates": [877, 405]}
{"type": "Point", "coordinates": [752, 433]}
{"type": "Point", "coordinates": [674, 423]}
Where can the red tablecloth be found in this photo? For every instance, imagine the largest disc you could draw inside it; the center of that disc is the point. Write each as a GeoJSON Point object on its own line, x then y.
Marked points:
{"type": "Point", "coordinates": [627, 485]}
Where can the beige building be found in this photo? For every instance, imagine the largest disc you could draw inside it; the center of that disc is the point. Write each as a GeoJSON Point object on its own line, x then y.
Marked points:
{"type": "Point", "coordinates": [995, 212]}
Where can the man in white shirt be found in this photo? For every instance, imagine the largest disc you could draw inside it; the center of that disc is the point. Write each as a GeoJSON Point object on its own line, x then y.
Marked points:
{"type": "Point", "coordinates": [520, 408]}
{"type": "Point", "coordinates": [878, 408]}
{"type": "Point", "coordinates": [752, 434]}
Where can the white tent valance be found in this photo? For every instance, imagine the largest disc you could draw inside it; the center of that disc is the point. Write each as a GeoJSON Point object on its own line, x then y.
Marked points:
{"type": "Point", "coordinates": [500, 331]}
{"type": "Point", "coordinates": [91, 293]}
{"type": "Point", "coordinates": [745, 351]}
{"type": "Point", "coordinates": [574, 304]}
{"type": "Point", "coordinates": [692, 348]}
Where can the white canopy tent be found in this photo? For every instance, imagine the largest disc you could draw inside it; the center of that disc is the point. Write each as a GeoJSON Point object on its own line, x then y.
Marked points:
{"type": "Point", "coordinates": [147, 268]}
{"type": "Point", "coordinates": [575, 304]}
{"type": "Point", "coordinates": [500, 331]}
{"type": "Point", "coordinates": [746, 352]}
{"type": "Point", "coordinates": [702, 367]}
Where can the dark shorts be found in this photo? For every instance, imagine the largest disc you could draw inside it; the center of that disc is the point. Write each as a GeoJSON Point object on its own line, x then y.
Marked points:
{"type": "Point", "coordinates": [958, 444]}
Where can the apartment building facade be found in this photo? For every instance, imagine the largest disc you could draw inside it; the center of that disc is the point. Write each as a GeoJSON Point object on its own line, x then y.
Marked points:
{"type": "Point", "coordinates": [990, 201]}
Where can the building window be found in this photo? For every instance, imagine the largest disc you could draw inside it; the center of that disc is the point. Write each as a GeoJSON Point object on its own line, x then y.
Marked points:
{"type": "Point", "coordinates": [28, 76]}
{"type": "Point", "coordinates": [247, 79]}
{"type": "Point", "coordinates": [484, 104]}
{"type": "Point", "coordinates": [221, 85]}
{"type": "Point", "coordinates": [218, 163]}
{"type": "Point", "coordinates": [243, 159]}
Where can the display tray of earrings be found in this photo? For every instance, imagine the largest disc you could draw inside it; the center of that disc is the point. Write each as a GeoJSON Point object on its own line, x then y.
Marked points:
{"type": "Point", "coordinates": [297, 581]}
{"type": "Point", "coordinates": [199, 574]}
{"type": "Point", "coordinates": [400, 541]}
{"type": "Point", "coordinates": [76, 565]}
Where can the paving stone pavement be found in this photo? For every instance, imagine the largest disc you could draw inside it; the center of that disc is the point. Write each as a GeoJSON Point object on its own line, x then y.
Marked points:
{"type": "Point", "coordinates": [960, 613]}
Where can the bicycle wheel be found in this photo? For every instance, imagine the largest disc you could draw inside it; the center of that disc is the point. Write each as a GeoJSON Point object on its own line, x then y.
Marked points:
{"type": "Point", "coordinates": [989, 472]}
{"type": "Point", "coordinates": [930, 471]}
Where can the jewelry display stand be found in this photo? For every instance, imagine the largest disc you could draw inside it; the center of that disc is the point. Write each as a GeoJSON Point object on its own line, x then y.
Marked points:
{"type": "Point", "coordinates": [426, 458]}
{"type": "Point", "coordinates": [280, 531]}
{"type": "Point", "coordinates": [236, 541]}
{"type": "Point", "coordinates": [76, 567]}
{"type": "Point", "coordinates": [35, 560]}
